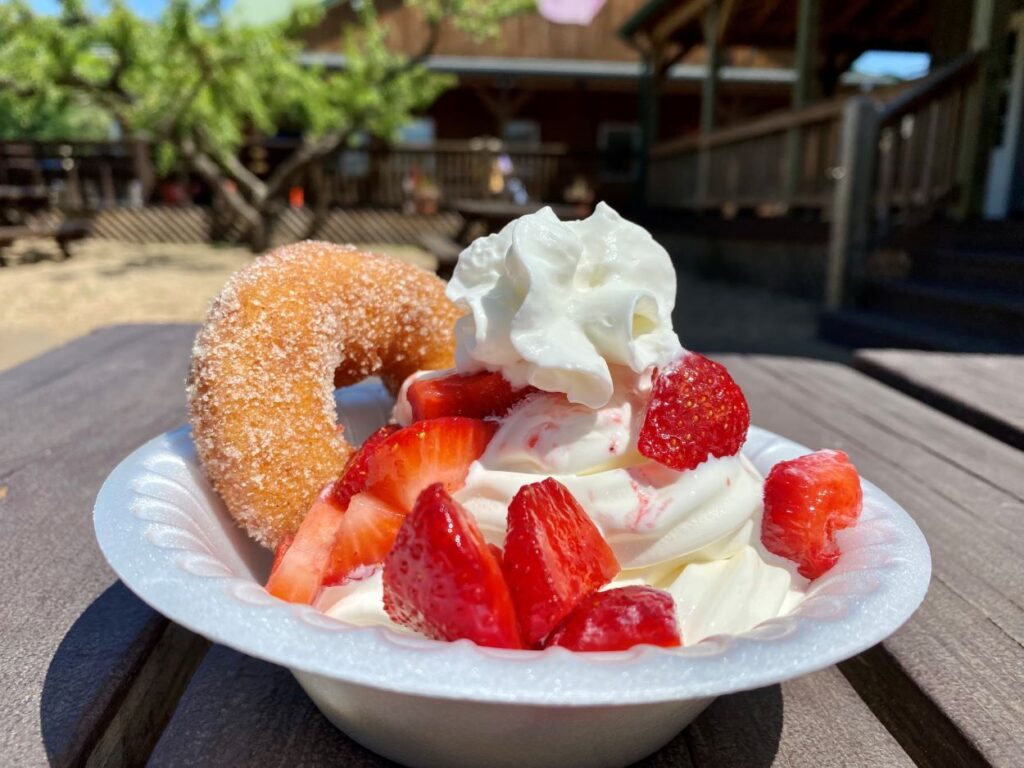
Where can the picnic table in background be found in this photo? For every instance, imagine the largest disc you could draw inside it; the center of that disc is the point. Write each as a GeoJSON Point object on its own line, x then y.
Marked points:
{"type": "Point", "coordinates": [18, 203]}
{"type": "Point", "coordinates": [482, 217]}
{"type": "Point", "coordinates": [90, 674]}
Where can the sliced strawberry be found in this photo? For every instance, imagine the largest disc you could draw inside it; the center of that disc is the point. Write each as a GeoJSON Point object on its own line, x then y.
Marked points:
{"type": "Point", "coordinates": [353, 479]}
{"type": "Point", "coordinates": [298, 575]}
{"type": "Point", "coordinates": [279, 553]}
{"type": "Point", "coordinates": [367, 530]}
{"type": "Point", "coordinates": [554, 557]}
{"type": "Point", "coordinates": [498, 554]}
{"type": "Point", "coordinates": [618, 619]}
{"type": "Point", "coordinates": [806, 501]}
{"type": "Point", "coordinates": [303, 560]}
{"type": "Point", "coordinates": [442, 580]}
{"type": "Point", "coordinates": [696, 410]}
{"type": "Point", "coordinates": [476, 395]}
{"type": "Point", "coordinates": [427, 452]}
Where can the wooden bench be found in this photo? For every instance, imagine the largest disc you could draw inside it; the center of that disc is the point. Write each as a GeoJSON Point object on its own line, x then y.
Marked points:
{"type": "Point", "coordinates": [444, 248]}
{"type": "Point", "coordinates": [64, 233]}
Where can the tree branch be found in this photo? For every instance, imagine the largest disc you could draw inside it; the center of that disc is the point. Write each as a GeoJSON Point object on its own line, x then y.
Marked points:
{"type": "Point", "coordinates": [211, 173]}
{"type": "Point", "coordinates": [308, 152]}
{"type": "Point", "coordinates": [255, 188]}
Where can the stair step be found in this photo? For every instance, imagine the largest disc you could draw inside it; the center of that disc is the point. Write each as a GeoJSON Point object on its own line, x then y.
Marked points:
{"type": "Point", "coordinates": [864, 328]}
{"type": "Point", "coordinates": [979, 311]}
{"type": "Point", "coordinates": [999, 270]}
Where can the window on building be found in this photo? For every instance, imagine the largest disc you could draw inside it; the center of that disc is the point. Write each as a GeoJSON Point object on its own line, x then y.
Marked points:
{"type": "Point", "coordinates": [521, 132]}
{"type": "Point", "coordinates": [419, 130]}
{"type": "Point", "coordinates": [619, 144]}
{"type": "Point", "coordinates": [354, 160]}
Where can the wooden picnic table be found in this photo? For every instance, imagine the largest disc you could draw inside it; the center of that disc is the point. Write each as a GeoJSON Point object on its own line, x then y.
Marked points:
{"type": "Point", "coordinates": [482, 217]}
{"type": "Point", "coordinates": [495, 214]}
{"type": "Point", "coordinates": [90, 675]}
{"type": "Point", "coordinates": [986, 391]}
{"type": "Point", "coordinates": [16, 201]}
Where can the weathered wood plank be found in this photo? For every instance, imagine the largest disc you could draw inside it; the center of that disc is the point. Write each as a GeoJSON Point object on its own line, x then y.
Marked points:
{"type": "Point", "coordinates": [815, 721]}
{"type": "Point", "coordinates": [241, 711]}
{"type": "Point", "coordinates": [986, 391]}
{"type": "Point", "coordinates": [72, 648]}
{"type": "Point", "coordinates": [964, 650]}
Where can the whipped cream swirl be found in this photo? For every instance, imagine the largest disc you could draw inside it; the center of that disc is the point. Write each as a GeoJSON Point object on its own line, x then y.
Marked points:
{"type": "Point", "coordinates": [554, 303]}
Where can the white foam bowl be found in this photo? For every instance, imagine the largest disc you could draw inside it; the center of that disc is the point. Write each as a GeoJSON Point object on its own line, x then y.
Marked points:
{"type": "Point", "coordinates": [428, 703]}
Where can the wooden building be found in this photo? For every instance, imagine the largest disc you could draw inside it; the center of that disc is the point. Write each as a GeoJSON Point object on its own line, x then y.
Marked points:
{"type": "Point", "coordinates": [569, 89]}
{"type": "Point", "coordinates": [899, 180]}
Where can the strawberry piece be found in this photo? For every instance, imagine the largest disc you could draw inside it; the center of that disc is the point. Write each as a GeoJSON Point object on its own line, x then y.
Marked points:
{"type": "Point", "coordinates": [298, 575]}
{"type": "Point", "coordinates": [696, 410]}
{"type": "Point", "coordinates": [442, 580]}
{"type": "Point", "coordinates": [303, 560]}
{"type": "Point", "coordinates": [427, 452]}
{"type": "Point", "coordinates": [476, 395]}
{"type": "Point", "coordinates": [618, 619]}
{"type": "Point", "coordinates": [554, 557]}
{"type": "Point", "coordinates": [365, 535]}
{"type": "Point", "coordinates": [806, 501]}
{"type": "Point", "coordinates": [280, 552]}
{"type": "Point", "coordinates": [353, 478]}
{"type": "Point", "coordinates": [498, 554]}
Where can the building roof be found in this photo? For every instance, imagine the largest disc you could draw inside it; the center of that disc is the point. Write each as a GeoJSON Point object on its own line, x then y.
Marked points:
{"type": "Point", "coordinates": [850, 26]}
{"type": "Point", "coordinates": [591, 69]}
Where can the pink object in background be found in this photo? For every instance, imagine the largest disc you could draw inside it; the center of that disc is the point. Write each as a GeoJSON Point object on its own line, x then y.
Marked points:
{"type": "Point", "coordinates": [570, 11]}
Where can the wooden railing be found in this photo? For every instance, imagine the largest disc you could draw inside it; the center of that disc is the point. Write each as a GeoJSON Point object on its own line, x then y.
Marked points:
{"type": "Point", "coordinates": [81, 174]}
{"type": "Point", "coordinates": [919, 141]}
{"type": "Point", "coordinates": [108, 174]}
{"type": "Point", "coordinates": [868, 165]}
{"type": "Point", "coordinates": [383, 175]}
{"type": "Point", "coordinates": [898, 168]}
{"type": "Point", "coordinates": [773, 164]}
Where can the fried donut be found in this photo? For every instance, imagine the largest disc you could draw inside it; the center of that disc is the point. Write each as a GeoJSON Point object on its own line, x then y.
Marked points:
{"type": "Point", "coordinates": [281, 335]}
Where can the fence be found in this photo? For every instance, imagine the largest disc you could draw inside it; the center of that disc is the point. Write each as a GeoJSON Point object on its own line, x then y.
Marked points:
{"type": "Point", "coordinates": [98, 175]}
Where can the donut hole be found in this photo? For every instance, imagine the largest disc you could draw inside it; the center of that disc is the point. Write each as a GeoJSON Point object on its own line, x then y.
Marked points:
{"type": "Point", "coordinates": [363, 408]}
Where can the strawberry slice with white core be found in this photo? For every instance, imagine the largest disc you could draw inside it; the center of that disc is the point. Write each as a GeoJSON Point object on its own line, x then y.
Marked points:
{"type": "Point", "coordinates": [298, 575]}
{"type": "Point", "coordinates": [302, 560]}
{"type": "Point", "coordinates": [365, 534]}
{"type": "Point", "coordinates": [433, 451]}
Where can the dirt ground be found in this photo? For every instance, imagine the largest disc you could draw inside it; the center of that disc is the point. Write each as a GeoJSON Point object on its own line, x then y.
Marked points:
{"type": "Point", "coordinates": [45, 303]}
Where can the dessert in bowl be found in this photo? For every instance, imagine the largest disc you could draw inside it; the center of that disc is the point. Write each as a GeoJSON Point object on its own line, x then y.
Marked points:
{"type": "Point", "coordinates": [561, 550]}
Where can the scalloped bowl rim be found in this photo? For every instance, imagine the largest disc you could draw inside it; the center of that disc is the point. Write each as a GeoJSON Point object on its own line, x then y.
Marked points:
{"type": "Point", "coordinates": [168, 537]}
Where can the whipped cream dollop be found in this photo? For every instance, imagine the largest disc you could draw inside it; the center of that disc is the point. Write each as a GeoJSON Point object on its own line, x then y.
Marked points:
{"type": "Point", "coordinates": [554, 303]}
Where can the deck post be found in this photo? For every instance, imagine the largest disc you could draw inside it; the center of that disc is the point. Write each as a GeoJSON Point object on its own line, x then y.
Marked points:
{"type": "Point", "coordinates": [709, 96]}
{"type": "Point", "coordinates": [650, 87]}
{"type": "Point", "coordinates": [808, 24]}
{"type": "Point", "coordinates": [989, 26]}
{"type": "Point", "coordinates": [850, 233]}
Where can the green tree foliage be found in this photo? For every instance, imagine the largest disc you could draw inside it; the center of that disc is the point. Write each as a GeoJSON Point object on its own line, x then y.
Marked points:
{"type": "Point", "coordinates": [197, 84]}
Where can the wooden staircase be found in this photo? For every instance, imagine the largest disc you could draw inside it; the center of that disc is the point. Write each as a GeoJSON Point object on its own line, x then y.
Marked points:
{"type": "Point", "coordinates": [964, 291]}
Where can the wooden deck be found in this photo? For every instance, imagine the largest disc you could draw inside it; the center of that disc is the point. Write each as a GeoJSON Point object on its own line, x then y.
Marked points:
{"type": "Point", "coordinates": [91, 674]}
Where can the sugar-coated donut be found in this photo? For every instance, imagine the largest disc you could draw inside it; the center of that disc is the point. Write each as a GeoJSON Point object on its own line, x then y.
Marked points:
{"type": "Point", "coordinates": [281, 335]}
